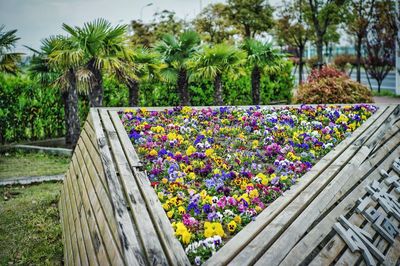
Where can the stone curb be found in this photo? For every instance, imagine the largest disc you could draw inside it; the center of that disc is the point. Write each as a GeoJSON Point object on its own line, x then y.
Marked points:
{"type": "Point", "coordinates": [26, 180]}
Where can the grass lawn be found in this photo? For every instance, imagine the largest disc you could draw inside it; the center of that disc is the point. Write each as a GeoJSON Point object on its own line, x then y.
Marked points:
{"type": "Point", "coordinates": [16, 164]}
{"type": "Point", "coordinates": [30, 230]}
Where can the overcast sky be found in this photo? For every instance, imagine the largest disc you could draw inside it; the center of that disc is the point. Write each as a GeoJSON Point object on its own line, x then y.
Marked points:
{"type": "Point", "coordinates": [37, 19]}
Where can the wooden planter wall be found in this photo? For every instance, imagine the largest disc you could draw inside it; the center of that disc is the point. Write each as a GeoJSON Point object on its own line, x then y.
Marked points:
{"type": "Point", "coordinates": [111, 216]}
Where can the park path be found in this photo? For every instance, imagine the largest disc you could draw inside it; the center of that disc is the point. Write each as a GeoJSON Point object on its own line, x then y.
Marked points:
{"type": "Point", "coordinates": [386, 100]}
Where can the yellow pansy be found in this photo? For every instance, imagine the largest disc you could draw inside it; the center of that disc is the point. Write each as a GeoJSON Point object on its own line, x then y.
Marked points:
{"type": "Point", "coordinates": [190, 150]}
{"type": "Point", "coordinates": [232, 226]}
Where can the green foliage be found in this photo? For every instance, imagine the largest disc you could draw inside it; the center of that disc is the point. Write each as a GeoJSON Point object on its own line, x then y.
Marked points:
{"type": "Point", "coordinates": [213, 24]}
{"type": "Point", "coordinates": [30, 230]}
{"type": "Point", "coordinates": [115, 93]}
{"type": "Point", "coordinates": [217, 60]}
{"type": "Point", "coordinates": [250, 17]}
{"type": "Point", "coordinates": [8, 59]}
{"type": "Point", "coordinates": [28, 110]}
{"type": "Point", "coordinates": [237, 90]}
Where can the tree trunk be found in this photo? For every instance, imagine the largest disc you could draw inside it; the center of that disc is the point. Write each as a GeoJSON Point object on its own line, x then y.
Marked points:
{"type": "Point", "coordinates": [247, 32]}
{"type": "Point", "coordinates": [96, 91]}
{"type": "Point", "coordinates": [64, 97]}
{"type": "Point", "coordinates": [320, 46]}
{"type": "Point", "coordinates": [183, 88]}
{"type": "Point", "coordinates": [358, 58]}
{"type": "Point", "coordinates": [133, 86]}
{"type": "Point", "coordinates": [301, 64]}
{"type": "Point", "coordinates": [218, 101]}
{"type": "Point", "coordinates": [255, 85]}
{"type": "Point", "coordinates": [73, 124]}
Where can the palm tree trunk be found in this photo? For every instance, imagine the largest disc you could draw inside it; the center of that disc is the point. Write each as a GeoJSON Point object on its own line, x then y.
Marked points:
{"type": "Point", "coordinates": [64, 97]}
{"type": "Point", "coordinates": [133, 87]}
{"type": "Point", "coordinates": [183, 88]}
{"type": "Point", "coordinates": [218, 90]}
{"type": "Point", "coordinates": [96, 91]}
{"type": "Point", "coordinates": [73, 123]}
{"type": "Point", "coordinates": [255, 85]}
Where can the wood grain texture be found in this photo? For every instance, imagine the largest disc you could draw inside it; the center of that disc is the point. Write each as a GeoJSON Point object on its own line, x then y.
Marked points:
{"type": "Point", "coordinates": [172, 248]}
{"type": "Point", "coordinates": [132, 250]}
{"type": "Point", "coordinates": [153, 250]}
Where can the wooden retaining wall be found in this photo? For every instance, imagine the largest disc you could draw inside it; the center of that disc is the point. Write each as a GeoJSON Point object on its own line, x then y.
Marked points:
{"type": "Point", "coordinates": [111, 216]}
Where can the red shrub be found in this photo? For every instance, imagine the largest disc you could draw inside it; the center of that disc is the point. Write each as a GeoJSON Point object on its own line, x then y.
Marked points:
{"type": "Point", "coordinates": [325, 72]}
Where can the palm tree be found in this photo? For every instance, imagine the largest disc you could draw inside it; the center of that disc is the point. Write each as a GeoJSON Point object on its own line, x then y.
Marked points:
{"type": "Point", "coordinates": [8, 59]}
{"type": "Point", "coordinates": [97, 46]}
{"type": "Point", "coordinates": [176, 53]}
{"type": "Point", "coordinates": [263, 59]}
{"type": "Point", "coordinates": [216, 61]}
{"type": "Point", "coordinates": [142, 65]}
{"type": "Point", "coordinates": [59, 72]}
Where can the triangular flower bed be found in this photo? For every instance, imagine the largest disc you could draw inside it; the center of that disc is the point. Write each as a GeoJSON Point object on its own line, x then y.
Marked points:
{"type": "Point", "coordinates": [214, 170]}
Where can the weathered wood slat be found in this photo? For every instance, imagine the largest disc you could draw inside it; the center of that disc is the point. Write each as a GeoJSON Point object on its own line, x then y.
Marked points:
{"type": "Point", "coordinates": [144, 227]}
{"type": "Point", "coordinates": [68, 255]}
{"type": "Point", "coordinates": [318, 204]}
{"type": "Point", "coordinates": [312, 239]}
{"type": "Point", "coordinates": [298, 197]}
{"type": "Point", "coordinates": [79, 226]}
{"type": "Point", "coordinates": [173, 249]}
{"type": "Point", "coordinates": [350, 257]}
{"type": "Point", "coordinates": [109, 248]}
{"type": "Point", "coordinates": [132, 252]}
{"type": "Point", "coordinates": [84, 212]}
{"type": "Point", "coordinates": [102, 196]}
{"type": "Point", "coordinates": [75, 258]}
{"type": "Point", "coordinates": [95, 157]}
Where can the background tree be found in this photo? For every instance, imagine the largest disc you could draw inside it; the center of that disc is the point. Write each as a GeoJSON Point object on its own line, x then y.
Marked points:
{"type": "Point", "coordinates": [322, 14]}
{"type": "Point", "coordinates": [98, 46]}
{"type": "Point", "coordinates": [261, 58]}
{"type": "Point", "coordinates": [8, 60]}
{"type": "Point", "coordinates": [214, 62]}
{"type": "Point", "coordinates": [380, 41]}
{"type": "Point", "coordinates": [142, 34]}
{"type": "Point", "coordinates": [59, 73]}
{"type": "Point", "coordinates": [292, 30]}
{"type": "Point", "coordinates": [213, 25]}
{"type": "Point", "coordinates": [176, 53]}
{"type": "Point", "coordinates": [357, 17]}
{"type": "Point", "coordinates": [250, 17]}
{"type": "Point", "coordinates": [164, 22]}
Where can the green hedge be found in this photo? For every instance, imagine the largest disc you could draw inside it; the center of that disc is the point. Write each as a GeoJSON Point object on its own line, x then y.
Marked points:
{"type": "Point", "coordinates": [30, 111]}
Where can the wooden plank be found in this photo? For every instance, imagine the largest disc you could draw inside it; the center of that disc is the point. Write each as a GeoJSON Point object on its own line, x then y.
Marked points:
{"type": "Point", "coordinates": [350, 257]}
{"type": "Point", "coordinates": [97, 198]}
{"type": "Point", "coordinates": [173, 249]}
{"type": "Point", "coordinates": [85, 241]}
{"type": "Point", "coordinates": [76, 260]}
{"type": "Point", "coordinates": [94, 154]}
{"type": "Point", "coordinates": [97, 247]}
{"type": "Point", "coordinates": [144, 227]}
{"type": "Point", "coordinates": [68, 255]}
{"type": "Point", "coordinates": [104, 198]}
{"type": "Point", "coordinates": [95, 160]}
{"type": "Point", "coordinates": [135, 160]}
{"type": "Point", "coordinates": [325, 169]}
{"type": "Point", "coordinates": [293, 231]}
{"type": "Point", "coordinates": [132, 252]}
{"type": "Point", "coordinates": [334, 246]}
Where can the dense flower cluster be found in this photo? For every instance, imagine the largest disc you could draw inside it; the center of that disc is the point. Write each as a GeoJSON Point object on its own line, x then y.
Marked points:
{"type": "Point", "coordinates": [215, 170]}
